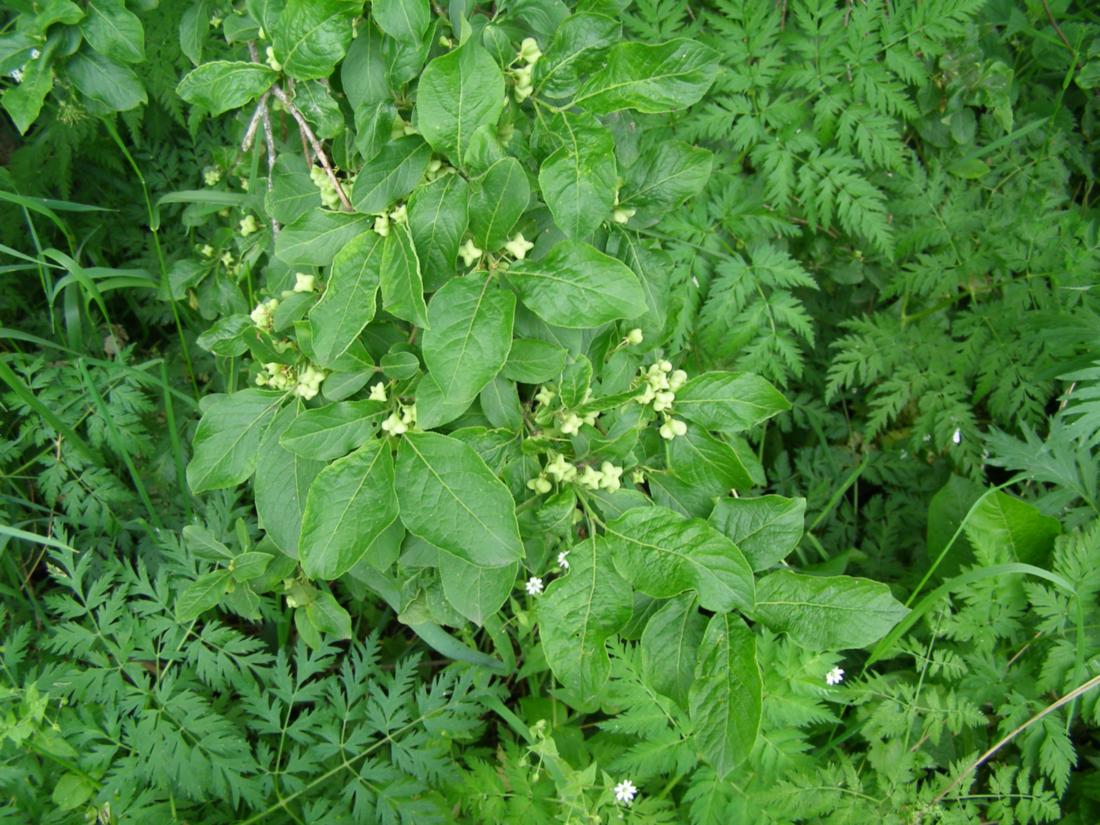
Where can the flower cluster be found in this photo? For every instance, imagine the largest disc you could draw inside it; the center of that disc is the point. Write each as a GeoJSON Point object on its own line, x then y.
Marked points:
{"type": "Point", "coordinates": [401, 420]}
{"type": "Point", "coordinates": [330, 199]}
{"type": "Point", "coordinates": [661, 382]}
{"type": "Point", "coordinates": [529, 53]}
{"type": "Point", "coordinates": [399, 214]}
{"type": "Point", "coordinates": [263, 315]}
{"type": "Point", "coordinates": [304, 382]}
{"type": "Point", "coordinates": [607, 477]}
{"type": "Point", "coordinates": [211, 175]}
{"type": "Point", "coordinates": [249, 225]}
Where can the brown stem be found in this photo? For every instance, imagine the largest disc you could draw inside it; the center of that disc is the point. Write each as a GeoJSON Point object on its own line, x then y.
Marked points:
{"type": "Point", "coordinates": [1058, 31]}
{"type": "Point", "coordinates": [316, 144]}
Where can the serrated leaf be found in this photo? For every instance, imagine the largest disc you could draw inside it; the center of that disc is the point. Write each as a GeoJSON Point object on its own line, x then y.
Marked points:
{"type": "Point", "coordinates": [203, 594]}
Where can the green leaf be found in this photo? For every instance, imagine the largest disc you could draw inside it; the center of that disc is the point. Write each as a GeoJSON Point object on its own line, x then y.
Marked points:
{"type": "Point", "coordinates": [450, 498]}
{"type": "Point", "coordinates": [700, 459]}
{"type": "Point", "coordinates": [222, 85]}
{"type": "Point", "coordinates": [475, 591]}
{"type": "Point", "coordinates": [194, 27]}
{"type": "Point", "coordinates": [405, 20]}
{"type": "Point", "coordinates": [334, 430]}
{"type": "Point", "coordinates": [23, 101]}
{"type": "Point", "coordinates": [312, 36]}
{"type": "Point", "coordinates": [437, 220]}
{"type": "Point", "coordinates": [293, 193]}
{"type": "Point", "coordinates": [350, 504]}
{"type": "Point", "coordinates": [729, 401]}
{"type": "Point", "coordinates": [317, 104]}
{"type": "Point", "coordinates": [282, 481]}
{"type": "Point", "coordinates": [726, 698]}
{"type": "Point", "coordinates": [391, 174]}
{"type": "Point", "coordinates": [580, 179]}
{"type": "Point", "coordinates": [203, 594]}
{"type": "Point", "coordinates": [434, 408]}
{"type": "Point", "coordinates": [363, 72]}
{"type": "Point", "coordinates": [827, 612]}
{"type": "Point", "coordinates": [348, 303]}
{"type": "Point", "coordinates": [402, 286]}
{"type": "Point", "coordinates": [500, 404]}
{"type": "Point", "coordinates": [663, 177]}
{"type": "Point", "coordinates": [113, 31]}
{"type": "Point", "coordinates": [326, 615]}
{"type": "Point", "coordinates": [227, 441]}
{"type": "Point", "coordinates": [1003, 528]}
{"type": "Point", "coordinates": [653, 78]}
{"type": "Point", "coordinates": [578, 613]}
{"type": "Point", "coordinates": [670, 643]}
{"type": "Point", "coordinates": [316, 237]}
{"type": "Point", "coordinates": [534, 362]}
{"type": "Point", "coordinates": [469, 334]}
{"type": "Point", "coordinates": [112, 87]}
{"type": "Point", "coordinates": [766, 528]}
{"type": "Point", "coordinates": [457, 93]}
{"type": "Point", "coordinates": [72, 791]}
{"type": "Point", "coordinates": [574, 52]}
{"type": "Point", "coordinates": [663, 554]}
{"type": "Point", "coordinates": [497, 200]}
{"type": "Point", "coordinates": [576, 286]}
{"type": "Point", "coordinates": [575, 380]}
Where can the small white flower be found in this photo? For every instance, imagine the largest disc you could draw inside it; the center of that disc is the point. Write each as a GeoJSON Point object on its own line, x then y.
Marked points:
{"type": "Point", "coordinates": [248, 225]}
{"type": "Point", "coordinates": [378, 392]}
{"type": "Point", "coordinates": [309, 382]}
{"type": "Point", "coordinates": [634, 337]}
{"type": "Point", "coordinates": [663, 401]}
{"type": "Point", "coordinates": [544, 396]}
{"type": "Point", "coordinates": [561, 469]}
{"type": "Point", "coordinates": [304, 283]}
{"type": "Point", "coordinates": [16, 75]}
{"type": "Point", "coordinates": [957, 436]}
{"type": "Point", "coordinates": [263, 315]}
{"type": "Point", "coordinates": [563, 559]}
{"type": "Point", "coordinates": [469, 253]}
{"type": "Point", "coordinates": [638, 477]}
{"type": "Point", "coordinates": [625, 792]}
{"type": "Point", "coordinates": [382, 225]}
{"type": "Point", "coordinates": [677, 379]}
{"type": "Point", "coordinates": [519, 246]}
{"type": "Point", "coordinates": [394, 425]}
{"type": "Point", "coordinates": [540, 485]}
{"type": "Point", "coordinates": [834, 676]}
{"type": "Point", "coordinates": [271, 61]}
{"type": "Point", "coordinates": [35, 54]}
{"type": "Point", "coordinates": [400, 214]}
{"type": "Point", "coordinates": [533, 586]}
{"type": "Point", "coordinates": [206, 250]}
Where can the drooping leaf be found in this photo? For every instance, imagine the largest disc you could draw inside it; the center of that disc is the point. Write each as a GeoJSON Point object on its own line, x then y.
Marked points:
{"type": "Point", "coordinates": [663, 554]}
{"type": "Point", "coordinates": [437, 220]}
{"type": "Point", "coordinates": [312, 36]}
{"type": "Point", "coordinates": [534, 362]}
{"type": "Point", "coordinates": [222, 85]}
{"type": "Point", "coordinates": [666, 175]}
{"type": "Point", "coordinates": [282, 482]}
{"type": "Point", "coordinates": [497, 199]}
{"type": "Point", "coordinates": [227, 441]}
{"type": "Point", "coordinates": [469, 334]}
{"type": "Point", "coordinates": [391, 174]}
{"type": "Point", "coordinates": [670, 643]}
{"type": "Point", "coordinates": [405, 20]}
{"type": "Point", "coordinates": [574, 52]}
{"type": "Point", "coordinates": [577, 614]}
{"type": "Point", "coordinates": [1004, 528]}
{"type": "Point", "coordinates": [452, 499]}
{"type": "Point", "coordinates": [700, 459]}
{"type": "Point", "coordinates": [457, 93]}
{"type": "Point", "coordinates": [729, 401]}
{"type": "Point", "coordinates": [350, 504]}
{"type": "Point", "coordinates": [402, 285]}
{"type": "Point", "coordinates": [766, 528]}
{"type": "Point", "coordinates": [316, 237]}
{"type": "Point", "coordinates": [726, 698]}
{"type": "Point", "coordinates": [576, 286]}
{"type": "Point", "coordinates": [332, 431]}
{"type": "Point", "coordinates": [113, 31]}
{"type": "Point", "coordinates": [107, 86]}
{"type": "Point", "coordinates": [579, 180]}
{"type": "Point", "coordinates": [348, 303]}
{"type": "Point", "coordinates": [475, 591]}
{"type": "Point", "coordinates": [650, 78]}
{"type": "Point", "coordinates": [827, 612]}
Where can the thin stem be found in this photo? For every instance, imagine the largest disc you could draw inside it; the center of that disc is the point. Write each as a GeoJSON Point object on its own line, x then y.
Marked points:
{"type": "Point", "coordinates": [316, 144]}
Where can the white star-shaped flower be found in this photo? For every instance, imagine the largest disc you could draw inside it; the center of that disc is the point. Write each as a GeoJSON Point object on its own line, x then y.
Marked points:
{"type": "Point", "coordinates": [563, 559]}
{"type": "Point", "coordinates": [625, 792]}
{"type": "Point", "coordinates": [519, 246]}
{"type": "Point", "coordinates": [834, 676]}
{"type": "Point", "coordinates": [533, 586]}
{"type": "Point", "coordinates": [469, 253]}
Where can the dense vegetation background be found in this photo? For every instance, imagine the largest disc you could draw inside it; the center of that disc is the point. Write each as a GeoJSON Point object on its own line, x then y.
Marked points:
{"type": "Point", "coordinates": [748, 351]}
